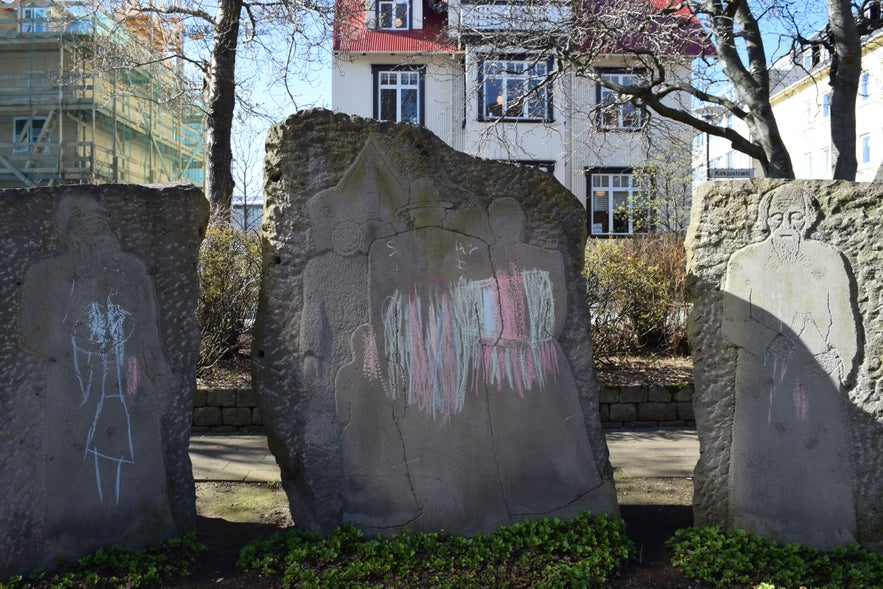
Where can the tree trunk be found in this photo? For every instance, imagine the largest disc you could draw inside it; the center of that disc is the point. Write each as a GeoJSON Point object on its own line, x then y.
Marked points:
{"type": "Point", "coordinates": [765, 131]}
{"type": "Point", "coordinates": [751, 83]}
{"type": "Point", "coordinates": [222, 98]}
{"type": "Point", "coordinates": [846, 69]}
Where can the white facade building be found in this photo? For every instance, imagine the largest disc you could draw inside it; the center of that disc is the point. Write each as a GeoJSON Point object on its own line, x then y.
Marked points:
{"type": "Point", "coordinates": [423, 62]}
{"type": "Point", "coordinates": [801, 101]}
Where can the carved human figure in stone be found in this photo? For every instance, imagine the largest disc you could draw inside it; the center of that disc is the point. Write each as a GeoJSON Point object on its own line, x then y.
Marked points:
{"type": "Point", "coordinates": [426, 313]}
{"type": "Point", "coordinates": [377, 488]}
{"type": "Point", "coordinates": [427, 307]}
{"type": "Point", "coordinates": [98, 331]}
{"type": "Point", "coordinates": [528, 379]}
{"type": "Point", "coordinates": [788, 311]}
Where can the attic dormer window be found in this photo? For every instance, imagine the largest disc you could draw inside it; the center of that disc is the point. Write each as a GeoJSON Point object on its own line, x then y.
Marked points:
{"type": "Point", "coordinates": [393, 15]}
{"type": "Point", "coordinates": [34, 18]}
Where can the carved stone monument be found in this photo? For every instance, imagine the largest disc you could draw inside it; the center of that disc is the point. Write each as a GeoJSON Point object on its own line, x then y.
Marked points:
{"type": "Point", "coordinates": [422, 357]}
{"type": "Point", "coordinates": [787, 342]}
{"type": "Point", "coordinates": [98, 368]}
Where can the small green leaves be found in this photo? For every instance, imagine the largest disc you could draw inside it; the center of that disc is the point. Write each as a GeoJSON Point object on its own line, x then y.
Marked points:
{"type": "Point", "coordinates": [582, 552]}
{"type": "Point", "coordinates": [117, 566]}
{"type": "Point", "coordinates": [738, 558]}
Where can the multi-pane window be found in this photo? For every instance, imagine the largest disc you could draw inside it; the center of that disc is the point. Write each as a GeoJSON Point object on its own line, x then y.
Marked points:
{"type": "Point", "coordinates": [826, 104]}
{"type": "Point", "coordinates": [25, 131]}
{"type": "Point", "coordinates": [617, 111]}
{"type": "Point", "coordinates": [393, 14]}
{"type": "Point", "coordinates": [514, 89]}
{"type": "Point", "coordinates": [864, 82]}
{"type": "Point", "coordinates": [618, 206]}
{"type": "Point", "coordinates": [398, 95]}
{"type": "Point", "coordinates": [34, 19]}
{"type": "Point", "coordinates": [866, 148]}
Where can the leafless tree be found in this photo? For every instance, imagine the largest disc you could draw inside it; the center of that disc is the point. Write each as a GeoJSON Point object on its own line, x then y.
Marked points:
{"type": "Point", "coordinates": [731, 71]}
{"type": "Point", "coordinates": [226, 43]}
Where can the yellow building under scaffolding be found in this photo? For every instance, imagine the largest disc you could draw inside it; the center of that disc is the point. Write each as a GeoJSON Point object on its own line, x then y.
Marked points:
{"type": "Point", "coordinates": [89, 98]}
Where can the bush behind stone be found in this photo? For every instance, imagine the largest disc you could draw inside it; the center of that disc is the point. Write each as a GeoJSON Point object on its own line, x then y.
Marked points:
{"type": "Point", "coordinates": [229, 271]}
{"type": "Point", "coordinates": [636, 291]}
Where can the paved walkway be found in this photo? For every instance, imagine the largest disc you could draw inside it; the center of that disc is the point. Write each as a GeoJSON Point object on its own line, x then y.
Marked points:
{"type": "Point", "coordinates": [665, 453]}
{"type": "Point", "coordinates": [232, 457]}
{"type": "Point", "coordinates": [657, 453]}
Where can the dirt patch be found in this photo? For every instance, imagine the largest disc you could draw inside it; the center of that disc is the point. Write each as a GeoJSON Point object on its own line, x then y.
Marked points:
{"type": "Point", "coordinates": [646, 370]}
{"type": "Point", "coordinates": [256, 503]}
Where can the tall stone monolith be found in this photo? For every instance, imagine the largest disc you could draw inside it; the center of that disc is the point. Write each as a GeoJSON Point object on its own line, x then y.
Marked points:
{"type": "Point", "coordinates": [787, 342]}
{"type": "Point", "coordinates": [422, 353]}
{"type": "Point", "coordinates": [98, 359]}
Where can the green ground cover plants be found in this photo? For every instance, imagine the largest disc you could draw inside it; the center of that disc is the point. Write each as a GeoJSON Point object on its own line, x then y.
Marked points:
{"type": "Point", "coordinates": [116, 566]}
{"type": "Point", "coordinates": [739, 559]}
{"type": "Point", "coordinates": [582, 552]}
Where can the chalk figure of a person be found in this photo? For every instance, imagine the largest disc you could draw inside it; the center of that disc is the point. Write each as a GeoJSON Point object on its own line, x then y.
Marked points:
{"type": "Point", "coordinates": [89, 310]}
{"type": "Point", "coordinates": [787, 309]}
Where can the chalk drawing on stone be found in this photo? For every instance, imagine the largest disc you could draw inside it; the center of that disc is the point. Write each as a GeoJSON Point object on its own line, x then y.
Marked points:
{"type": "Point", "coordinates": [460, 327]}
{"type": "Point", "coordinates": [787, 309]}
{"type": "Point", "coordinates": [383, 309]}
{"type": "Point", "coordinates": [106, 377]}
{"type": "Point", "coordinates": [96, 334]}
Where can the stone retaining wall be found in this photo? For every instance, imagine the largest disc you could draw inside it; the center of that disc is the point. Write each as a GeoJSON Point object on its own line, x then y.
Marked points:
{"type": "Point", "coordinates": [226, 410]}
{"type": "Point", "coordinates": [621, 406]}
{"type": "Point", "coordinates": [631, 406]}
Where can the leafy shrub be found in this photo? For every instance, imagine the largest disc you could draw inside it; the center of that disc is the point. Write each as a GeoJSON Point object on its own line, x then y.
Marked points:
{"type": "Point", "coordinates": [582, 552]}
{"type": "Point", "coordinates": [229, 270]}
{"type": "Point", "coordinates": [636, 291]}
{"type": "Point", "coordinates": [116, 566]}
{"type": "Point", "coordinates": [738, 558]}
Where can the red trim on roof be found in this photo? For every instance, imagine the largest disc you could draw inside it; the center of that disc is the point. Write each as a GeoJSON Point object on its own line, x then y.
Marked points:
{"type": "Point", "coordinates": [351, 34]}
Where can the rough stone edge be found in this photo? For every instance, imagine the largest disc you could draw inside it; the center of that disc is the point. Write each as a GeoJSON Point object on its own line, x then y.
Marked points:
{"type": "Point", "coordinates": [844, 221]}
{"type": "Point", "coordinates": [328, 162]}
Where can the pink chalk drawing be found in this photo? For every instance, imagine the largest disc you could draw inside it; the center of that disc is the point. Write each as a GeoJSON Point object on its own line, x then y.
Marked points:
{"type": "Point", "coordinates": [441, 342]}
{"type": "Point", "coordinates": [132, 377]}
{"type": "Point", "coordinates": [371, 361]}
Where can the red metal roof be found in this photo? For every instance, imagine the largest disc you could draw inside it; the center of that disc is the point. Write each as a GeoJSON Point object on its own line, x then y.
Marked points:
{"type": "Point", "coordinates": [352, 34]}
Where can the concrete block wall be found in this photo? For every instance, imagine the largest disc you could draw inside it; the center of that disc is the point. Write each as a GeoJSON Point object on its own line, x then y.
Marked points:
{"type": "Point", "coordinates": [637, 406]}
{"type": "Point", "coordinates": [621, 406]}
{"type": "Point", "coordinates": [226, 410]}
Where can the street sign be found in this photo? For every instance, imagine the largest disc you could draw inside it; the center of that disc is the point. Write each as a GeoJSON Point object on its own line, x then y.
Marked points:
{"type": "Point", "coordinates": [730, 173]}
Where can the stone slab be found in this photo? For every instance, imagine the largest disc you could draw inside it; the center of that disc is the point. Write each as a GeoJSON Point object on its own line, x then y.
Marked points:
{"type": "Point", "coordinates": [98, 362]}
{"type": "Point", "coordinates": [787, 341]}
{"type": "Point", "coordinates": [422, 357]}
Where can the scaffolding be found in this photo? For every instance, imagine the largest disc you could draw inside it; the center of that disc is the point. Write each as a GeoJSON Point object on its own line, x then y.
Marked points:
{"type": "Point", "coordinates": [89, 98]}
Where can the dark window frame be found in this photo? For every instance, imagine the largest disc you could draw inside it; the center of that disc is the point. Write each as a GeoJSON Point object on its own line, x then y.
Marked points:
{"type": "Point", "coordinates": [377, 69]}
{"type": "Point", "coordinates": [549, 116]}
{"type": "Point", "coordinates": [547, 166]}
{"type": "Point", "coordinates": [599, 93]}
{"type": "Point", "coordinates": [590, 173]}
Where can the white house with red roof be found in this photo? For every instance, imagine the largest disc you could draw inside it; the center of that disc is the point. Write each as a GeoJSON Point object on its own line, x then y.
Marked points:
{"type": "Point", "coordinates": [428, 62]}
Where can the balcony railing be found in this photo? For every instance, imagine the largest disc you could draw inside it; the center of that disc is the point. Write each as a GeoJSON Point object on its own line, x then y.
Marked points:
{"type": "Point", "coordinates": [514, 16]}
